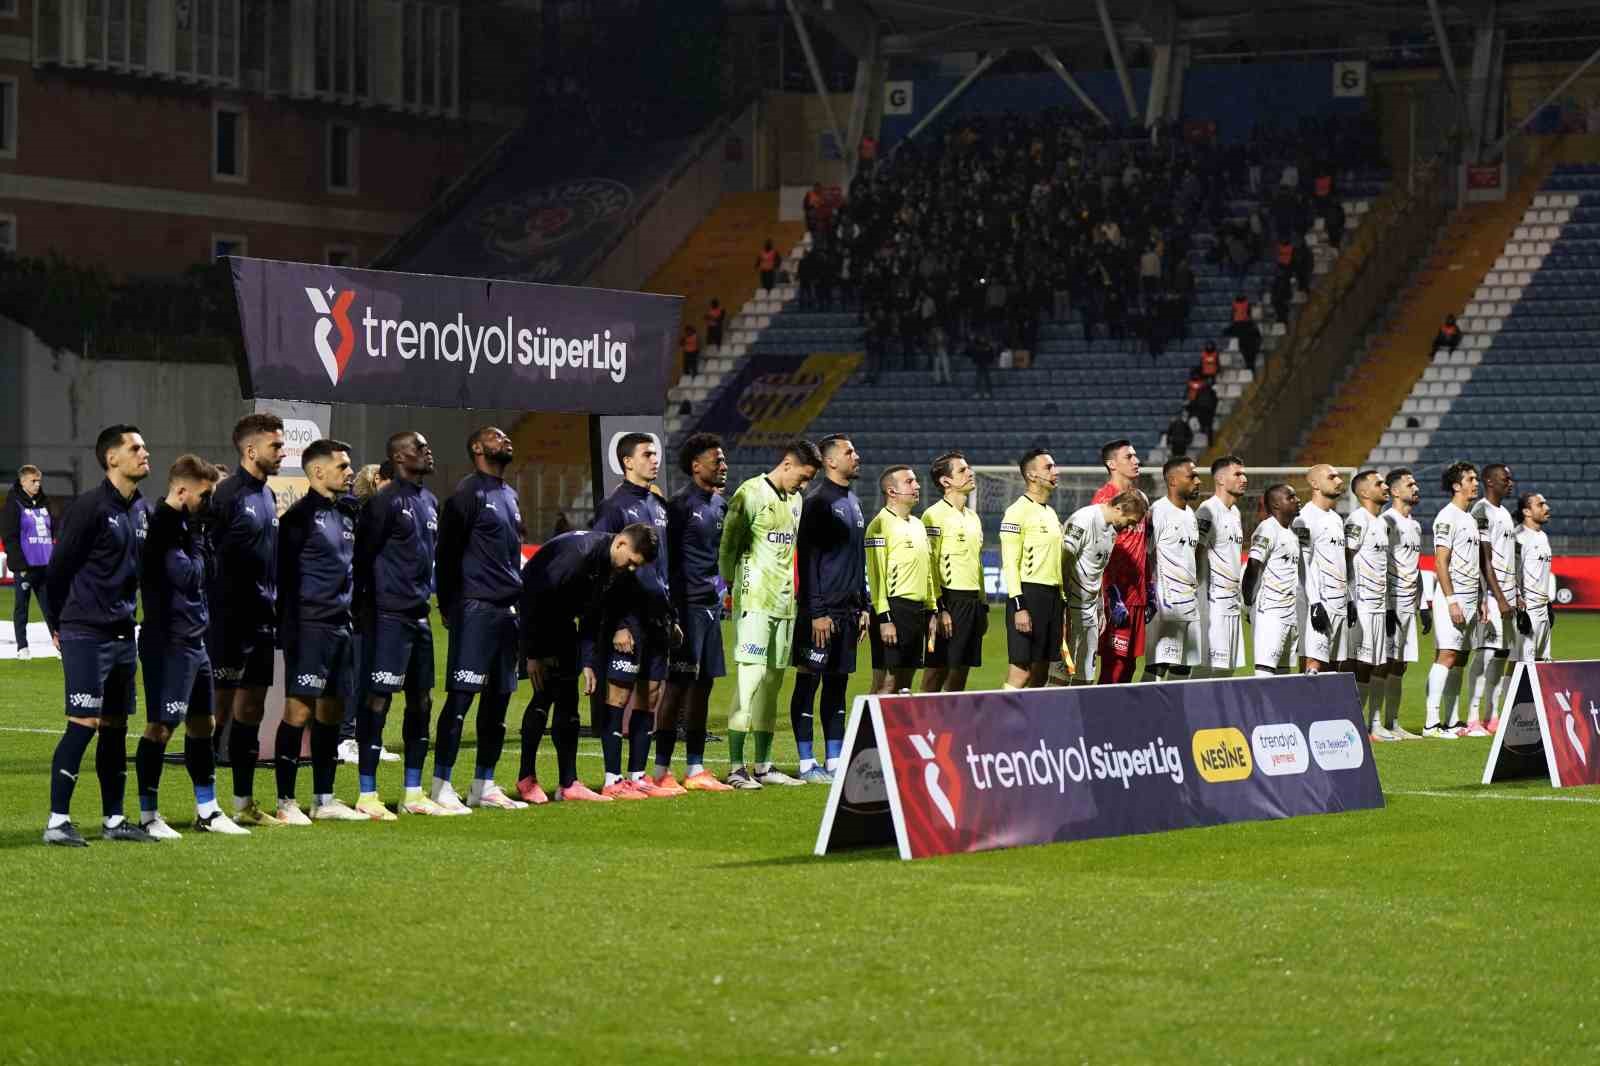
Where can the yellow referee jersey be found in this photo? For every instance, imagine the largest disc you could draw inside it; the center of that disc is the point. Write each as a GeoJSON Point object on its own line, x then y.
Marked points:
{"type": "Point", "coordinates": [897, 561]}
{"type": "Point", "coordinates": [1030, 545]}
{"type": "Point", "coordinates": [955, 538]}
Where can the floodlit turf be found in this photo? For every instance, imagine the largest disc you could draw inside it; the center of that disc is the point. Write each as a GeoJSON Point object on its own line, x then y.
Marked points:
{"type": "Point", "coordinates": [1444, 928]}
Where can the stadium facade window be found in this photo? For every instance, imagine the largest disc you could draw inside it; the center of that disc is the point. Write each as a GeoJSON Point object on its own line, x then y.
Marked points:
{"type": "Point", "coordinates": [429, 37]}
{"type": "Point", "coordinates": [344, 157]}
{"type": "Point", "coordinates": [8, 118]}
{"type": "Point", "coordinates": [228, 244]}
{"type": "Point", "coordinates": [8, 234]}
{"type": "Point", "coordinates": [230, 138]}
{"type": "Point", "coordinates": [8, 9]}
{"type": "Point", "coordinates": [340, 255]}
{"type": "Point", "coordinates": [205, 38]}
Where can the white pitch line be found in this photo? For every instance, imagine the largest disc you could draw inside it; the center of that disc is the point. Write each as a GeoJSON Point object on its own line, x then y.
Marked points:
{"type": "Point", "coordinates": [1491, 796]}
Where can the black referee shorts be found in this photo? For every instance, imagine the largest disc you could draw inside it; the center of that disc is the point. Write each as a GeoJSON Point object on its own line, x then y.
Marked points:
{"type": "Point", "coordinates": [910, 619]}
{"type": "Point", "coordinates": [1044, 606]}
{"type": "Point", "coordinates": [969, 618]}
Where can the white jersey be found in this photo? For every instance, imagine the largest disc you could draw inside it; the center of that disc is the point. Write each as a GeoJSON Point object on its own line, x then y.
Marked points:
{"type": "Point", "coordinates": [1277, 549]}
{"type": "Point", "coordinates": [1175, 570]}
{"type": "Point", "coordinates": [1222, 566]}
{"type": "Point", "coordinates": [1496, 530]}
{"type": "Point", "coordinates": [1089, 538]}
{"type": "Point", "coordinates": [1321, 536]}
{"type": "Point", "coordinates": [1405, 569]}
{"type": "Point", "coordinates": [1453, 528]}
{"type": "Point", "coordinates": [1538, 584]}
{"type": "Point", "coordinates": [1367, 536]}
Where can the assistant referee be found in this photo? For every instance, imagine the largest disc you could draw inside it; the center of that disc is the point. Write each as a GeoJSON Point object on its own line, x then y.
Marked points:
{"type": "Point", "coordinates": [1030, 560]}
{"type": "Point", "coordinates": [955, 545]}
{"type": "Point", "coordinates": [901, 582]}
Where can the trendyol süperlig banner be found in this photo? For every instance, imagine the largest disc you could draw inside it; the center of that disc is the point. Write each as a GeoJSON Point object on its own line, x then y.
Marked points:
{"type": "Point", "coordinates": [340, 335]}
{"type": "Point", "coordinates": [935, 774]}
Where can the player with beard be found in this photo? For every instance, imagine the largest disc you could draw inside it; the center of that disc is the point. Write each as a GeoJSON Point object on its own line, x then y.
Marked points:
{"type": "Point", "coordinates": [478, 573]}
{"type": "Point", "coordinates": [1273, 579]}
{"type": "Point", "coordinates": [1366, 543]}
{"type": "Point", "coordinates": [1174, 605]}
{"type": "Point", "coordinates": [1497, 539]}
{"type": "Point", "coordinates": [93, 588]}
{"type": "Point", "coordinates": [1409, 614]}
{"type": "Point", "coordinates": [1537, 584]}
{"type": "Point", "coordinates": [1221, 569]}
{"type": "Point", "coordinates": [1127, 574]}
{"type": "Point", "coordinates": [1327, 570]}
{"type": "Point", "coordinates": [1458, 607]}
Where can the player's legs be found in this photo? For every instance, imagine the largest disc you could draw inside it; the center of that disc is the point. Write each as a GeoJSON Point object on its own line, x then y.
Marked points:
{"type": "Point", "coordinates": [1176, 650]}
{"type": "Point", "coordinates": [935, 678]}
{"type": "Point", "coordinates": [802, 709]}
{"type": "Point", "coordinates": [1324, 651]}
{"type": "Point", "coordinates": [501, 670]}
{"type": "Point", "coordinates": [1444, 676]}
{"type": "Point", "coordinates": [1275, 640]}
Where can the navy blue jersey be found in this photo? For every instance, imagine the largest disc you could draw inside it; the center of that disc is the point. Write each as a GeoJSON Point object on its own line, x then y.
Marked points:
{"type": "Point", "coordinates": [833, 553]}
{"type": "Point", "coordinates": [93, 579]}
{"type": "Point", "coordinates": [316, 553]}
{"type": "Point", "coordinates": [244, 511]}
{"type": "Point", "coordinates": [395, 539]}
{"type": "Point", "coordinates": [648, 596]}
{"type": "Point", "coordinates": [479, 552]}
{"type": "Point", "coordinates": [563, 582]}
{"type": "Point", "coordinates": [694, 535]}
{"type": "Point", "coordinates": [172, 576]}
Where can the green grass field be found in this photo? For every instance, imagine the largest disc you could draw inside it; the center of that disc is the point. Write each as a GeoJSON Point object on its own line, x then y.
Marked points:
{"type": "Point", "coordinates": [1451, 926]}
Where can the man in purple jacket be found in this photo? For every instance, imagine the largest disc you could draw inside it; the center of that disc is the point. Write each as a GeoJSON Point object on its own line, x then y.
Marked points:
{"type": "Point", "coordinates": [26, 531]}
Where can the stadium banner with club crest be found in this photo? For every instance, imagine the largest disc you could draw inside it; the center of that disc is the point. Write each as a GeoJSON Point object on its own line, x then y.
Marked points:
{"type": "Point", "coordinates": [973, 771]}
{"type": "Point", "coordinates": [773, 398]}
{"type": "Point", "coordinates": [327, 334]}
{"type": "Point", "coordinates": [1549, 725]}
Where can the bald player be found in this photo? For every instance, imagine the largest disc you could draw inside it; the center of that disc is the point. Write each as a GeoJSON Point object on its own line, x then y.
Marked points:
{"type": "Point", "coordinates": [1327, 581]}
{"type": "Point", "coordinates": [1272, 581]}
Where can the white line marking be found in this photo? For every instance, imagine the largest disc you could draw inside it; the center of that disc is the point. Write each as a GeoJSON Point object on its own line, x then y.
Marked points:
{"type": "Point", "coordinates": [1491, 796]}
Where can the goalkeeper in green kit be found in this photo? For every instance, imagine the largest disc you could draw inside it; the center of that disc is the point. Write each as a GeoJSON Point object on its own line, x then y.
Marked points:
{"type": "Point", "coordinates": [757, 561]}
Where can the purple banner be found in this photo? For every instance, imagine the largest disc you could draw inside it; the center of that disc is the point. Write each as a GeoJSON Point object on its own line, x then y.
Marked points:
{"type": "Point", "coordinates": [339, 335]}
{"type": "Point", "coordinates": [982, 770]}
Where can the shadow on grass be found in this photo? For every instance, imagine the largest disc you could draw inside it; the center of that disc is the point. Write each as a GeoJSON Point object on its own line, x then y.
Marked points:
{"type": "Point", "coordinates": [852, 856]}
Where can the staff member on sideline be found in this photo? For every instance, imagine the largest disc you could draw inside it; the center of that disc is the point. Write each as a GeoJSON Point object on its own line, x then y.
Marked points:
{"type": "Point", "coordinates": [25, 532]}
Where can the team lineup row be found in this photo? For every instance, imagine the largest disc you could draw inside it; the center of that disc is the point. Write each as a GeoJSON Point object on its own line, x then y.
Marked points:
{"type": "Point", "coordinates": [629, 611]}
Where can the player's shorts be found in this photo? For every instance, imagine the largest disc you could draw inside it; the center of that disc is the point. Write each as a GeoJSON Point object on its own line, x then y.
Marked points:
{"type": "Point", "coordinates": [969, 621]}
{"type": "Point", "coordinates": [397, 655]}
{"type": "Point", "coordinates": [484, 652]}
{"type": "Point", "coordinates": [1120, 647]}
{"type": "Point", "coordinates": [762, 640]}
{"type": "Point", "coordinates": [1367, 640]}
{"type": "Point", "coordinates": [1447, 636]}
{"type": "Point", "coordinates": [699, 657]}
{"type": "Point", "coordinates": [1276, 641]}
{"type": "Point", "coordinates": [1083, 641]}
{"type": "Point", "coordinates": [177, 679]}
{"type": "Point", "coordinates": [910, 619]}
{"type": "Point", "coordinates": [242, 654]}
{"type": "Point", "coordinates": [1327, 647]}
{"type": "Point", "coordinates": [319, 662]}
{"type": "Point", "coordinates": [646, 662]}
{"type": "Point", "coordinates": [1177, 642]}
{"type": "Point", "coordinates": [100, 676]}
{"type": "Point", "coordinates": [1535, 647]}
{"type": "Point", "coordinates": [1495, 634]}
{"type": "Point", "coordinates": [556, 643]}
{"type": "Point", "coordinates": [838, 655]}
{"type": "Point", "coordinates": [1222, 647]}
{"type": "Point", "coordinates": [1401, 645]}
{"type": "Point", "coordinates": [1043, 645]}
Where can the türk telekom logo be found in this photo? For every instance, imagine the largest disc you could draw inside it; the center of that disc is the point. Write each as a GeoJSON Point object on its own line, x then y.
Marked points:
{"type": "Point", "coordinates": [935, 752]}
{"type": "Point", "coordinates": [335, 311]}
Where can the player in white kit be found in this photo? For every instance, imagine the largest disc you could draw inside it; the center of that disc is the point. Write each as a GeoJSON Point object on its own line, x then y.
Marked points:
{"type": "Point", "coordinates": [1407, 612]}
{"type": "Point", "coordinates": [1458, 607]}
{"type": "Point", "coordinates": [1497, 538]}
{"type": "Point", "coordinates": [1366, 539]}
{"type": "Point", "coordinates": [1272, 582]}
{"type": "Point", "coordinates": [1221, 553]}
{"type": "Point", "coordinates": [1174, 575]}
{"type": "Point", "coordinates": [1536, 621]}
{"type": "Point", "coordinates": [1327, 583]}
{"type": "Point", "coordinates": [1087, 540]}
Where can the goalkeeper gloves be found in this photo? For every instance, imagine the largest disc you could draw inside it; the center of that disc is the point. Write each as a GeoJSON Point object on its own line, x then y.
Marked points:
{"type": "Point", "coordinates": [1319, 619]}
{"type": "Point", "coordinates": [1524, 623]}
{"type": "Point", "coordinates": [1119, 609]}
{"type": "Point", "coordinates": [1427, 619]}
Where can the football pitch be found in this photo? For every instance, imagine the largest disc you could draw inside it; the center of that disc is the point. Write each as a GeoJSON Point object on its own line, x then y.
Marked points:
{"type": "Point", "coordinates": [1451, 926]}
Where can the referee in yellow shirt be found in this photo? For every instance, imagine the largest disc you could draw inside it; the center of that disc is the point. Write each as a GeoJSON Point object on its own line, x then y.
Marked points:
{"type": "Point", "coordinates": [1030, 560]}
{"type": "Point", "coordinates": [955, 542]}
{"type": "Point", "coordinates": [901, 580]}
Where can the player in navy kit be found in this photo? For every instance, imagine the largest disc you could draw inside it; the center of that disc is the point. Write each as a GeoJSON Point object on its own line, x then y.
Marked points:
{"type": "Point", "coordinates": [833, 605]}
{"type": "Point", "coordinates": [639, 623]}
{"type": "Point", "coordinates": [396, 536]}
{"type": "Point", "coordinates": [694, 535]}
{"type": "Point", "coordinates": [172, 650]}
{"type": "Point", "coordinates": [242, 601]}
{"type": "Point", "coordinates": [478, 573]}
{"type": "Point", "coordinates": [316, 583]}
{"type": "Point", "coordinates": [93, 584]}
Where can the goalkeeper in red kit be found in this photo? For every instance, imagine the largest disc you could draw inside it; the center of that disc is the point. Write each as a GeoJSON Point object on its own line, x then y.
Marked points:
{"type": "Point", "coordinates": [1122, 641]}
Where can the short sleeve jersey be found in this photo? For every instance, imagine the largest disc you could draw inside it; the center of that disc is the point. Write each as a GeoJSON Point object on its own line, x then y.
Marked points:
{"type": "Point", "coordinates": [1533, 552]}
{"type": "Point", "coordinates": [757, 553]}
{"type": "Point", "coordinates": [1321, 535]}
{"type": "Point", "coordinates": [1030, 545]}
{"type": "Point", "coordinates": [1277, 548]}
{"type": "Point", "coordinates": [1496, 529]}
{"type": "Point", "coordinates": [1222, 565]}
{"type": "Point", "coordinates": [1405, 572]}
{"type": "Point", "coordinates": [1176, 578]}
{"type": "Point", "coordinates": [956, 540]}
{"type": "Point", "coordinates": [1456, 530]}
{"type": "Point", "coordinates": [1367, 536]}
{"type": "Point", "coordinates": [1089, 539]}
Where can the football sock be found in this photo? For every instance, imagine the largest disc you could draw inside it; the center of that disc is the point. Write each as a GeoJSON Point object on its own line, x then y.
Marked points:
{"type": "Point", "coordinates": [763, 749]}
{"type": "Point", "coordinates": [611, 741]}
{"type": "Point", "coordinates": [325, 756]}
{"type": "Point", "coordinates": [641, 728]}
{"type": "Point", "coordinates": [694, 734]}
{"type": "Point", "coordinates": [244, 748]}
{"type": "Point", "coordinates": [834, 689]}
{"type": "Point", "coordinates": [666, 740]}
{"type": "Point", "coordinates": [286, 760]}
{"type": "Point", "coordinates": [414, 732]}
{"type": "Point", "coordinates": [1494, 685]}
{"type": "Point", "coordinates": [64, 766]}
{"type": "Point", "coordinates": [1474, 681]}
{"type": "Point", "coordinates": [1363, 697]}
{"type": "Point", "coordinates": [111, 767]}
{"type": "Point", "coordinates": [370, 721]}
{"type": "Point", "coordinates": [1436, 679]}
{"type": "Point", "coordinates": [565, 731]}
{"type": "Point", "coordinates": [201, 762]}
{"type": "Point", "coordinates": [147, 773]}
{"type": "Point", "coordinates": [491, 733]}
{"type": "Point", "coordinates": [1393, 686]}
{"type": "Point", "coordinates": [801, 703]}
{"type": "Point", "coordinates": [1450, 696]}
{"type": "Point", "coordinates": [448, 743]}
{"type": "Point", "coordinates": [736, 748]}
{"type": "Point", "coordinates": [535, 719]}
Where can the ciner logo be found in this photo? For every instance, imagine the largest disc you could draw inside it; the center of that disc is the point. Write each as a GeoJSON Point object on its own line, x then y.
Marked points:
{"type": "Point", "coordinates": [1222, 754]}
{"type": "Point", "coordinates": [933, 760]}
{"type": "Point", "coordinates": [334, 360]}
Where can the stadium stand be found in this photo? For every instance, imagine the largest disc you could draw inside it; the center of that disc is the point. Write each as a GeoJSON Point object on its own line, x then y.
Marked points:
{"type": "Point", "coordinates": [1524, 385]}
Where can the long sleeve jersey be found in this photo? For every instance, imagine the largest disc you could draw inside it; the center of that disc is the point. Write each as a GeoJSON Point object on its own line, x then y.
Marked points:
{"type": "Point", "coordinates": [316, 553]}
{"type": "Point", "coordinates": [694, 534]}
{"type": "Point", "coordinates": [563, 581]}
{"type": "Point", "coordinates": [244, 587]}
{"type": "Point", "coordinates": [396, 535]}
{"type": "Point", "coordinates": [93, 579]}
{"type": "Point", "coordinates": [833, 566]}
{"type": "Point", "coordinates": [172, 576]}
{"type": "Point", "coordinates": [479, 552]}
{"type": "Point", "coordinates": [757, 554]}
{"type": "Point", "coordinates": [648, 596]}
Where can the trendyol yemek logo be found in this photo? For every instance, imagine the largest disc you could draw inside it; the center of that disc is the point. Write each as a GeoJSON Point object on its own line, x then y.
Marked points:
{"type": "Point", "coordinates": [457, 341]}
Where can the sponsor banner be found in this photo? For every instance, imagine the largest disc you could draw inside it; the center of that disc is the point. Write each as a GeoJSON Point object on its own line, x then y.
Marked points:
{"type": "Point", "coordinates": [980, 770]}
{"type": "Point", "coordinates": [1577, 581]}
{"type": "Point", "coordinates": [610, 429]}
{"type": "Point", "coordinates": [333, 334]}
{"type": "Point", "coordinates": [302, 424]}
{"type": "Point", "coordinates": [1549, 725]}
{"type": "Point", "coordinates": [774, 398]}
